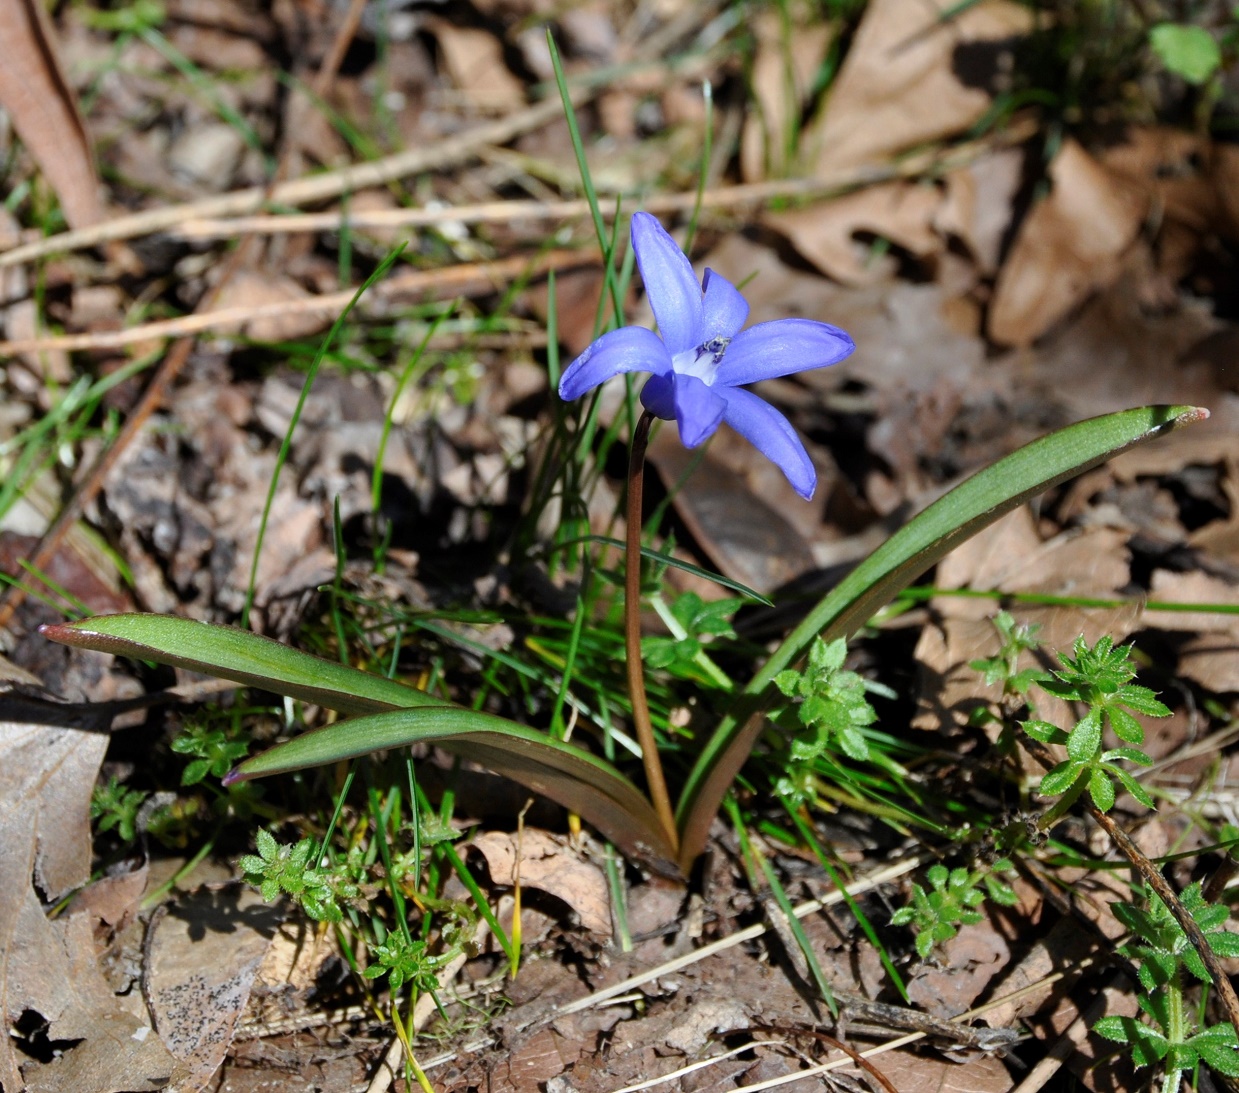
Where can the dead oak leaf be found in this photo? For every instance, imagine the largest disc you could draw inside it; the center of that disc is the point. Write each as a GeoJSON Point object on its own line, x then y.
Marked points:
{"type": "Point", "coordinates": [826, 234]}
{"type": "Point", "coordinates": [43, 106]}
{"type": "Point", "coordinates": [1068, 247]}
{"type": "Point", "coordinates": [1211, 656]}
{"type": "Point", "coordinates": [203, 955]}
{"type": "Point", "coordinates": [912, 76]}
{"type": "Point", "coordinates": [549, 863]}
{"type": "Point", "coordinates": [50, 968]}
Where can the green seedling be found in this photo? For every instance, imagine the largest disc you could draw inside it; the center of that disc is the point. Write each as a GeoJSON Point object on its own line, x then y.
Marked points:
{"type": "Point", "coordinates": [214, 751]}
{"type": "Point", "coordinates": [115, 806]}
{"type": "Point", "coordinates": [1170, 1034]}
{"type": "Point", "coordinates": [829, 705]}
{"type": "Point", "coordinates": [1017, 639]}
{"type": "Point", "coordinates": [1100, 678]}
{"type": "Point", "coordinates": [289, 869]}
{"type": "Point", "coordinates": [953, 900]}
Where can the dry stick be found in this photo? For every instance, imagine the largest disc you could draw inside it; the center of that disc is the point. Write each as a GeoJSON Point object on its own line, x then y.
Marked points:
{"type": "Point", "coordinates": [656, 783]}
{"type": "Point", "coordinates": [851, 1052]}
{"type": "Point", "coordinates": [1152, 876]}
{"type": "Point", "coordinates": [344, 36]}
{"type": "Point", "coordinates": [323, 187]}
{"type": "Point", "coordinates": [504, 212]}
{"type": "Point", "coordinates": [451, 282]}
{"type": "Point", "coordinates": [302, 191]}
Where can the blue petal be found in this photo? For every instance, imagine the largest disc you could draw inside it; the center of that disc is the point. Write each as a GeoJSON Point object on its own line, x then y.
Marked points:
{"type": "Point", "coordinates": [725, 311]}
{"type": "Point", "coordinates": [670, 284]}
{"type": "Point", "coordinates": [658, 396]}
{"type": "Point", "coordinates": [698, 408]}
{"type": "Point", "coordinates": [629, 349]}
{"type": "Point", "coordinates": [780, 348]}
{"type": "Point", "coordinates": [772, 435]}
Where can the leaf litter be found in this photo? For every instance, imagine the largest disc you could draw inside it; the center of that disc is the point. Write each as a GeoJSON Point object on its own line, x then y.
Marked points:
{"type": "Point", "coordinates": [984, 313]}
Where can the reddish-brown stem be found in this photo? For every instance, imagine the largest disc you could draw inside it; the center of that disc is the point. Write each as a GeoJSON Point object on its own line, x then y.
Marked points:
{"type": "Point", "coordinates": [655, 781]}
{"type": "Point", "coordinates": [1153, 877]}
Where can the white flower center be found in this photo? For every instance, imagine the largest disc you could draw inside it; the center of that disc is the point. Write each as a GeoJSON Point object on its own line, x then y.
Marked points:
{"type": "Point", "coordinates": [701, 362]}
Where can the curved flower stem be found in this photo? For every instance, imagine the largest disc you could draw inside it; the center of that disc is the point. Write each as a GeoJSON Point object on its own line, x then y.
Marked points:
{"type": "Point", "coordinates": [632, 631]}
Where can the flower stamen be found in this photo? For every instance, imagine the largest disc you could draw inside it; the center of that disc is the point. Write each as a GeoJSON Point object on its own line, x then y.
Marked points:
{"type": "Point", "coordinates": [703, 361]}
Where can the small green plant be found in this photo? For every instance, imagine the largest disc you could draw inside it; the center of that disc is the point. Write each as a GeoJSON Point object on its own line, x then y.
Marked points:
{"type": "Point", "coordinates": [828, 701]}
{"type": "Point", "coordinates": [287, 868]}
{"type": "Point", "coordinates": [1170, 1035]}
{"type": "Point", "coordinates": [1187, 51]}
{"type": "Point", "coordinates": [403, 961]}
{"type": "Point", "coordinates": [698, 619]}
{"type": "Point", "coordinates": [116, 806]}
{"type": "Point", "coordinates": [215, 749]}
{"type": "Point", "coordinates": [1100, 678]}
{"type": "Point", "coordinates": [953, 900]}
{"type": "Point", "coordinates": [1017, 639]}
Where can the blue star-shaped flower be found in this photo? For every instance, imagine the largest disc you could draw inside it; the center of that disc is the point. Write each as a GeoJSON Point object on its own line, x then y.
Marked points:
{"type": "Point", "coordinates": [704, 356]}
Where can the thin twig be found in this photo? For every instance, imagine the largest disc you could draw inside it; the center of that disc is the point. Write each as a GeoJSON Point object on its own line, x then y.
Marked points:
{"type": "Point", "coordinates": [656, 782]}
{"type": "Point", "coordinates": [1153, 877]}
{"type": "Point", "coordinates": [303, 191]}
{"type": "Point", "coordinates": [838, 1045]}
{"type": "Point", "coordinates": [449, 282]}
{"type": "Point", "coordinates": [201, 219]}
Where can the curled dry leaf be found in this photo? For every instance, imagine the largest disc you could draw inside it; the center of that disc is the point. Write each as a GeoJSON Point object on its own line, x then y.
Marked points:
{"type": "Point", "coordinates": [41, 102]}
{"type": "Point", "coordinates": [912, 76]}
{"type": "Point", "coordinates": [1069, 246]}
{"type": "Point", "coordinates": [900, 212]}
{"type": "Point", "coordinates": [550, 864]}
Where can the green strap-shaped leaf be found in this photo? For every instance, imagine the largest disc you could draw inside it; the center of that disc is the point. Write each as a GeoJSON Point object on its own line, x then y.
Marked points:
{"type": "Point", "coordinates": [575, 779]}
{"type": "Point", "coordinates": [243, 657]}
{"type": "Point", "coordinates": [926, 538]}
{"type": "Point", "coordinates": [562, 772]}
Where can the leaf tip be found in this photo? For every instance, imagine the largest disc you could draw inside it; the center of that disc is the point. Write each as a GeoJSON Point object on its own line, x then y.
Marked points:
{"type": "Point", "coordinates": [233, 777]}
{"type": "Point", "coordinates": [63, 632]}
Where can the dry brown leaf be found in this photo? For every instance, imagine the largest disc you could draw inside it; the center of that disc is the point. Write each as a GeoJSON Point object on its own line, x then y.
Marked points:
{"type": "Point", "coordinates": [1068, 247]}
{"type": "Point", "coordinates": [1211, 656]}
{"type": "Point", "coordinates": [1167, 163]}
{"type": "Point", "coordinates": [202, 956]}
{"type": "Point", "coordinates": [1010, 556]}
{"type": "Point", "coordinates": [49, 968]}
{"type": "Point", "coordinates": [969, 961]}
{"type": "Point", "coordinates": [902, 212]}
{"type": "Point", "coordinates": [742, 529]}
{"type": "Point", "coordinates": [909, 79]}
{"type": "Point", "coordinates": [474, 60]}
{"type": "Point", "coordinates": [907, 1070]}
{"type": "Point", "coordinates": [43, 106]}
{"type": "Point", "coordinates": [248, 288]}
{"type": "Point", "coordinates": [550, 864]}
{"type": "Point", "coordinates": [784, 65]}
{"type": "Point", "coordinates": [977, 206]}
